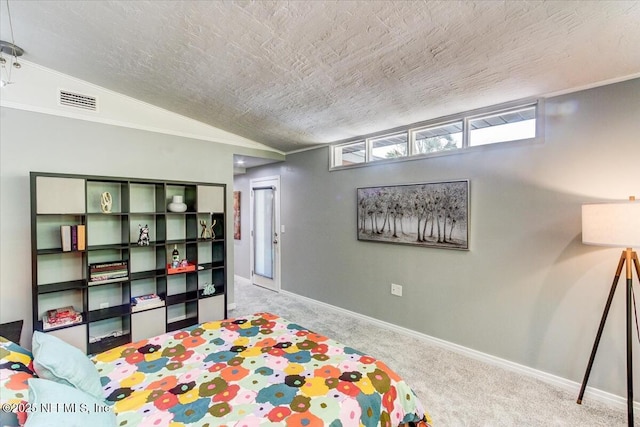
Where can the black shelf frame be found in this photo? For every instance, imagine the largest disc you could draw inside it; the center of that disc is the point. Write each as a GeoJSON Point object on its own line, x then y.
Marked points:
{"type": "Point", "coordinates": [39, 325]}
{"type": "Point", "coordinates": [182, 324]}
{"type": "Point", "coordinates": [218, 292]}
{"type": "Point", "coordinates": [56, 251]}
{"type": "Point", "coordinates": [109, 313]}
{"type": "Point", "coordinates": [61, 286]}
{"type": "Point", "coordinates": [160, 192]}
{"type": "Point", "coordinates": [181, 298]}
{"type": "Point", "coordinates": [148, 274]}
{"type": "Point", "coordinates": [114, 247]}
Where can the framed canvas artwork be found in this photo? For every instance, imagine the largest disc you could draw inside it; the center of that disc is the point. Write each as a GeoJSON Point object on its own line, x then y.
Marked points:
{"type": "Point", "coordinates": [434, 214]}
{"type": "Point", "coordinates": [236, 216]}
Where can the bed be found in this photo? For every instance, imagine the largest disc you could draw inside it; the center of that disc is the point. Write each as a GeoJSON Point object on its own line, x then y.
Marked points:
{"type": "Point", "coordinates": [246, 371]}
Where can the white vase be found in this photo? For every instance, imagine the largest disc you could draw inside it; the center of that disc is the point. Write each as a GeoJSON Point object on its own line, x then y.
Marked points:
{"type": "Point", "coordinates": [177, 205]}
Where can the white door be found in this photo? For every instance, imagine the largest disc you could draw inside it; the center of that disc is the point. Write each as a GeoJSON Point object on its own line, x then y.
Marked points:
{"type": "Point", "coordinates": [265, 232]}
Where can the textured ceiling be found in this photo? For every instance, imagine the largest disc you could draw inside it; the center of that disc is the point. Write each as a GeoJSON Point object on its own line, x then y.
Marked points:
{"type": "Point", "coordinates": [294, 74]}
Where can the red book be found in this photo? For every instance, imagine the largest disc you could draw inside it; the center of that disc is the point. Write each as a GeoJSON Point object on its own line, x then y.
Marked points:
{"type": "Point", "coordinates": [60, 313]}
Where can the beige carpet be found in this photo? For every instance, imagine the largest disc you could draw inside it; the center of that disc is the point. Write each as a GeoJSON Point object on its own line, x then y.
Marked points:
{"type": "Point", "coordinates": [456, 390]}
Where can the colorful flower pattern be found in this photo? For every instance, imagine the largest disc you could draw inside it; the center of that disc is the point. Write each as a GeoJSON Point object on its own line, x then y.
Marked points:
{"type": "Point", "coordinates": [16, 367]}
{"type": "Point", "coordinates": [249, 371]}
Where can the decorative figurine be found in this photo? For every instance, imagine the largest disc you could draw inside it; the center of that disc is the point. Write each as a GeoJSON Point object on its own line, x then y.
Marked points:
{"type": "Point", "coordinates": [175, 257]}
{"type": "Point", "coordinates": [205, 233]}
{"type": "Point", "coordinates": [105, 202]}
{"type": "Point", "coordinates": [143, 238]}
{"type": "Point", "coordinates": [213, 233]}
{"type": "Point", "coordinates": [209, 289]}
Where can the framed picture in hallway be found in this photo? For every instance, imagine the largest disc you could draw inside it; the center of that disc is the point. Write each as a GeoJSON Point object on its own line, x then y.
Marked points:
{"type": "Point", "coordinates": [236, 216]}
{"type": "Point", "coordinates": [434, 214]}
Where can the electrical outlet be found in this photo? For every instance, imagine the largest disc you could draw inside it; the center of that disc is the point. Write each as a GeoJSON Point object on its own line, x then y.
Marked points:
{"type": "Point", "coordinates": [396, 289]}
{"type": "Point", "coordinates": [104, 305]}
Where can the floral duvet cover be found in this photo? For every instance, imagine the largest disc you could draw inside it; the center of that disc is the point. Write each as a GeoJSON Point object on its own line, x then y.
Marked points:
{"type": "Point", "coordinates": [259, 370]}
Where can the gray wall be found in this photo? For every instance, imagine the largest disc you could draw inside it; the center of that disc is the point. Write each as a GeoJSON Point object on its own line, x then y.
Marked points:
{"type": "Point", "coordinates": [528, 290]}
{"type": "Point", "coordinates": [45, 143]}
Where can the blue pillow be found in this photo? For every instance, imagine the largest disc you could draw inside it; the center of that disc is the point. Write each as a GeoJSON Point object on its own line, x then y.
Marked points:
{"type": "Point", "coordinates": [55, 360]}
{"type": "Point", "coordinates": [70, 407]}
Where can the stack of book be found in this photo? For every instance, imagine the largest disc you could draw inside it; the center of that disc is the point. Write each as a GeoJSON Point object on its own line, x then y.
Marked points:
{"type": "Point", "coordinates": [145, 302]}
{"type": "Point", "coordinates": [108, 336]}
{"type": "Point", "coordinates": [61, 317]}
{"type": "Point", "coordinates": [107, 272]}
{"type": "Point", "coordinates": [73, 237]}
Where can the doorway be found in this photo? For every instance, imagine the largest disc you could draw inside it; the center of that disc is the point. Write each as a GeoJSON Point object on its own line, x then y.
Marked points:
{"type": "Point", "coordinates": [265, 232]}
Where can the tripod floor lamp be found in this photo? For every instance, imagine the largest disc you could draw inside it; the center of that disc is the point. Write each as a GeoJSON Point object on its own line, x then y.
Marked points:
{"type": "Point", "coordinates": [615, 224]}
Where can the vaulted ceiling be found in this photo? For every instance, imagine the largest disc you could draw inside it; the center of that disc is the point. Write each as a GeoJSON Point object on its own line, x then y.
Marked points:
{"type": "Point", "coordinates": [292, 74]}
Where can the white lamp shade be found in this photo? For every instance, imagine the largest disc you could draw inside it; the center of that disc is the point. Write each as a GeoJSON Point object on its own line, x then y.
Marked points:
{"type": "Point", "coordinates": [611, 224]}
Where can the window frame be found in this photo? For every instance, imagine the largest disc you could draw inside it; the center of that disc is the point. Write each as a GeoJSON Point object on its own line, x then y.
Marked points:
{"type": "Point", "coordinates": [345, 144]}
{"type": "Point", "coordinates": [412, 136]}
{"type": "Point", "coordinates": [464, 117]}
{"type": "Point", "coordinates": [369, 144]}
{"type": "Point", "coordinates": [494, 113]}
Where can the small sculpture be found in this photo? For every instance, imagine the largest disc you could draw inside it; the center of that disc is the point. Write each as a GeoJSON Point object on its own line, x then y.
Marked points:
{"type": "Point", "coordinates": [143, 238]}
{"type": "Point", "coordinates": [175, 257]}
{"type": "Point", "coordinates": [213, 233]}
{"type": "Point", "coordinates": [206, 232]}
{"type": "Point", "coordinates": [209, 289]}
{"type": "Point", "coordinates": [105, 202]}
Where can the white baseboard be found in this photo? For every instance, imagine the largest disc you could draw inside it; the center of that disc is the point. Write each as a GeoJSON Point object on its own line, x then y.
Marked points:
{"type": "Point", "coordinates": [563, 383]}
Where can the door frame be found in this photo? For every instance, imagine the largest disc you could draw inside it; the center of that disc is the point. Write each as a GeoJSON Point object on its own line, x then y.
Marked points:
{"type": "Point", "coordinates": [258, 182]}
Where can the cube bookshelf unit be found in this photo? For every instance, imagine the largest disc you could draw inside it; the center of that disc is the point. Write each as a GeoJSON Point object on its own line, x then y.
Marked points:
{"type": "Point", "coordinates": [62, 278]}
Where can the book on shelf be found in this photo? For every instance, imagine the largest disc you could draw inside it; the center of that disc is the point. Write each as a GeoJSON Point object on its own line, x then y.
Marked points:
{"type": "Point", "coordinates": [141, 307]}
{"type": "Point", "coordinates": [145, 302]}
{"type": "Point", "coordinates": [105, 281]}
{"type": "Point", "coordinates": [106, 337]}
{"type": "Point", "coordinates": [108, 266]}
{"type": "Point", "coordinates": [146, 299]}
{"type": "Point", "coordinates": [82, 237]}
{"type": "Point", "coordinates": [112, 273]}
{"type": "Point", "coordinates": [73, 237]}
{"type": "Point", "coordinates": [65, 237]}
{"type": "Point", "coordinates": [61, 317]}
{"type": "Point", "coordinates": [109, 275]}
{"type": "Point", "coordinates": [108, 272]}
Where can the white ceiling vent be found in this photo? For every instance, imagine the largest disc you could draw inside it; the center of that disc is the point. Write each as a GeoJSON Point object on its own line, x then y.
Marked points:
{"type": "Point", "coordinates": [76, 100]}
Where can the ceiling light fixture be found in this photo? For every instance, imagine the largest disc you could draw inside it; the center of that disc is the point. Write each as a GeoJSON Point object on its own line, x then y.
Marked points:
{"type": "Point", "coordinates": [10, 48]}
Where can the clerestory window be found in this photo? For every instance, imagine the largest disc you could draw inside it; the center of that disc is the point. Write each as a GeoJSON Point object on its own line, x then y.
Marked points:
{"type": "Point", "coordinates": [453, 134]}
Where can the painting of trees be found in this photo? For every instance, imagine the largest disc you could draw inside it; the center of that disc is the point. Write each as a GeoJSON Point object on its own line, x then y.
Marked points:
{"type": "Point", "coordinates": [429, 214]}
